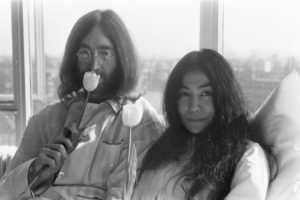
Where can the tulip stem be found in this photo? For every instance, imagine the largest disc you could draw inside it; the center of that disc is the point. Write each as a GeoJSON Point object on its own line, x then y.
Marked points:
{"type": "Point", "coordinates": [82, 110]}
{"type": "Point", "coordinates": [127, 167]}
{"type": "Point", "coordinates": [129, 145]}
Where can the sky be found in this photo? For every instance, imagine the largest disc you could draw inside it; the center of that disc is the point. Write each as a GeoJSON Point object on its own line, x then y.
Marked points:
{"type": "Point", "coordinates": [170, 28]}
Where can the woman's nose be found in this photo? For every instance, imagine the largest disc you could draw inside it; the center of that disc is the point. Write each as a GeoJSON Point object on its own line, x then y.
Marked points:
{"type": "Point", "coordinates": [195, 105]}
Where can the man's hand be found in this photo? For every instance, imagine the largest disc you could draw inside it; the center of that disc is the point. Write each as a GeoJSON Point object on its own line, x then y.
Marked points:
{"type": "Point", "coordinates": [50, 160]}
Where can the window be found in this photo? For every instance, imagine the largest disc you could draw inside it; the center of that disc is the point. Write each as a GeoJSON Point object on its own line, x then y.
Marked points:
{"type": "Point", "coordinates": [7, 117]}
{"type": "Point", "coordinates": [163, 32]}
{"type": "Point", "coordinates": [6, 79]}
{"type": "Point", "coordinates": [36, 32]}
{"type": "Point", "coordinates": [261, 43]}
{"type": "Point", "coordinates": [259, 38]}
{"type": "Point", "coordinates": [15, 102]}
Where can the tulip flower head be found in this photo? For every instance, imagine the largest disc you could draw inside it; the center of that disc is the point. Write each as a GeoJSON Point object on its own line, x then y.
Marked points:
{"type": "Point", "coordinates": [90, 81]}
{"type": "Point", "coordinates": [132, 114]}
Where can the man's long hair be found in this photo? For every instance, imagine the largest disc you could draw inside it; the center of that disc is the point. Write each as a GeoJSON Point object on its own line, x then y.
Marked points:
{"type": "Point", "coordinates": [114, 29]}
{"type": "Point", "coordinates": [221, 145]}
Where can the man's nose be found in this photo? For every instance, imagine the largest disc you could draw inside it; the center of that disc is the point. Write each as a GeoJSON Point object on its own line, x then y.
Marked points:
{"type": "Point", "coordinates": [96, 63]}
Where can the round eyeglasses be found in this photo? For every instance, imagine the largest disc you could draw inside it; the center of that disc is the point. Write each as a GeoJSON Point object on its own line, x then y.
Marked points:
{"type": "Point", "coordinates": [85, 55]}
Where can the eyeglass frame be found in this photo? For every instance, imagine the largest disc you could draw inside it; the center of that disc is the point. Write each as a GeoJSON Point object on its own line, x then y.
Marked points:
{"type": "Point", "coordinates": [96, 53]}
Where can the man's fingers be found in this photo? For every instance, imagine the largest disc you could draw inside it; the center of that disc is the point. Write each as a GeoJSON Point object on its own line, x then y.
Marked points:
{"type": "Point", "coordinates": [66, 142]}
{"type": "Point", "coordinates": [52, 156]}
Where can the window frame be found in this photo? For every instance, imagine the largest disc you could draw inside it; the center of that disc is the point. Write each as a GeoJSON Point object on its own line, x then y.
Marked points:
{"type": "Point", "coordinates": [21, 67]}
{"type": "Point", "coordinates": [211, 24]}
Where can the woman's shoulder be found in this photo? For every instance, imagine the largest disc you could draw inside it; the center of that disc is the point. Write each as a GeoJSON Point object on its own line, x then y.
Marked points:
{"type": "Point", "coordinates": [254, 151]}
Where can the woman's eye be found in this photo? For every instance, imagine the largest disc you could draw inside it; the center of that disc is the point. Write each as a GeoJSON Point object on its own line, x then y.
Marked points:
{"type": "Point", "coordinates": [206, 93]}
{"type": "Point", "coordinates": [183, 94]}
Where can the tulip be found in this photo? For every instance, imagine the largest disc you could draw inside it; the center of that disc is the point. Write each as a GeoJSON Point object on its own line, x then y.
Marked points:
{"type": "Point", "coordinates": [90, 81]}
{"type": "Point", "coordinates": [132, 114]}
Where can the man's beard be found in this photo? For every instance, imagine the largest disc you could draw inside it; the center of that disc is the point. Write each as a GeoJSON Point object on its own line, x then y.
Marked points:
{"type": "Point", "coordinates": [106, 88]}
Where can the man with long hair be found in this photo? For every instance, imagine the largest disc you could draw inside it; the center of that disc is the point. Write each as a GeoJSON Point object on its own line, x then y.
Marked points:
{"type": "Point", "coordinates": [49, 161]}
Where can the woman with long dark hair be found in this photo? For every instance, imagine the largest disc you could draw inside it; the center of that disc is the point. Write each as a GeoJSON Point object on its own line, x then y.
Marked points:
{"type": "Point", "coordinates": [208, 150]}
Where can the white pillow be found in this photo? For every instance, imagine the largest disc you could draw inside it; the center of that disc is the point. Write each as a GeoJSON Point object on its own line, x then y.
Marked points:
{"type": "Point", "coordinates": [279, 120]}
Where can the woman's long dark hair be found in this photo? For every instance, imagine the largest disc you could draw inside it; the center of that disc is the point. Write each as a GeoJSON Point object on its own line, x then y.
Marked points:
{"type": "Point", "coordinates": [220, 146]}
{"type": "Point", "coordinates": [116, 31]}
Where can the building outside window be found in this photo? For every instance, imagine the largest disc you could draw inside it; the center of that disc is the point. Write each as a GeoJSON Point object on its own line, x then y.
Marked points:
{"type": "Point", "coordinates": [261, 40]}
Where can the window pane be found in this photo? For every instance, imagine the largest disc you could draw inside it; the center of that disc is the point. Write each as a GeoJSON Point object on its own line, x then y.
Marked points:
{"type": "Point", "coordinates": [261, 40]}
{"type": "Point", "coordinates": [163, 32]}
{"type": "Point", "coordinates": [6, 80]}
{"type": "Point", "coordinates": [8, 128]}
